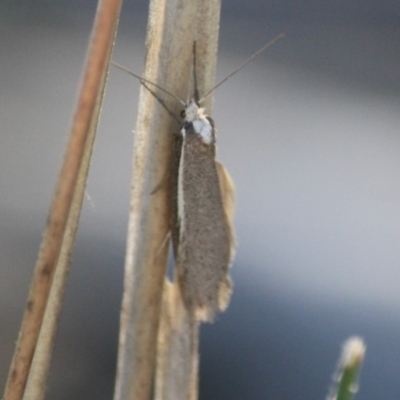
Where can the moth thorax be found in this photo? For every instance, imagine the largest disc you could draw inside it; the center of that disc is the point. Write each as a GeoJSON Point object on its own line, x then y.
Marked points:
{"type": "Point", "coordinates": [195, 116]}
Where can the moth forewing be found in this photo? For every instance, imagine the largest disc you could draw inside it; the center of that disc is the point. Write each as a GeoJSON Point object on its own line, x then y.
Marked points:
{"type": "Point", "coordinates": [206, 233]}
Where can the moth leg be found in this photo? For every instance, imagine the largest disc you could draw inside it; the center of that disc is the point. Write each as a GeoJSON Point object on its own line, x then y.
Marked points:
{"type": "Point", "coordinates": [163, 243]}
{"type": "Point", "coordinates": [162, 183]}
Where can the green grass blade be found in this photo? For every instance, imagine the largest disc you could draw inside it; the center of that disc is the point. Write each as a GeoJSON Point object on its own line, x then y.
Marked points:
{"type": "Point", "coordinates": [346, 377]}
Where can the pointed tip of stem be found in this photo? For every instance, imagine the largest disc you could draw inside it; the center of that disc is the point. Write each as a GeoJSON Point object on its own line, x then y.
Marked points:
{"type": "Point", "coordinates": [353, 352]}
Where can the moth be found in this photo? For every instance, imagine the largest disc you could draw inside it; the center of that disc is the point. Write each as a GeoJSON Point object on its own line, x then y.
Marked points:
{"type": "Point", "coordinates": [202, 207]}
{"type": "Point", "coordinates": [205, 203]}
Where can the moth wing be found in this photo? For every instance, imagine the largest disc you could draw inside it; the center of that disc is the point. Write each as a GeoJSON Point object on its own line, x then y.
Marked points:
{"type": "Point", "coordinates": [205, 244]}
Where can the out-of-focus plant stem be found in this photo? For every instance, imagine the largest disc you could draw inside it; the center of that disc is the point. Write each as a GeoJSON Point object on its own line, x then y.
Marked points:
{"type": "Point", "coordinates": [63, 218]}
{"type": "Point", "coordinates": [172, 28]}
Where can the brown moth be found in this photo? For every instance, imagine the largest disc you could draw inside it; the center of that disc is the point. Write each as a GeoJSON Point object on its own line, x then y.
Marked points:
{"type": "Point", "coordinates": [204, 209]}
{"type": "Point", "coordinates": [205, 204]}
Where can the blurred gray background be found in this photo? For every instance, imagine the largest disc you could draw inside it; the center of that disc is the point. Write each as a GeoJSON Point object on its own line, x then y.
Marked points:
{"type": "Point", "coordinates": [310, 133]}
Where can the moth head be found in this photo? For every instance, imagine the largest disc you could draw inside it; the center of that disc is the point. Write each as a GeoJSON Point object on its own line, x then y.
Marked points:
{"type": "Point", "coordinates": [192, 111]}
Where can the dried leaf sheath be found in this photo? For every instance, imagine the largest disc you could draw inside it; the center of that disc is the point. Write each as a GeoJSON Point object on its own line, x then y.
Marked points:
{"type": "Point", "coordinates": [228, 200]}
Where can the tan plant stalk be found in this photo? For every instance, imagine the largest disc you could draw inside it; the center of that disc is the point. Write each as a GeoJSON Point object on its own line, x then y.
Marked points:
{"type": "Point", "coordinates": [58, 238]}
{"type": "Point", "coordinates": [172, 28]}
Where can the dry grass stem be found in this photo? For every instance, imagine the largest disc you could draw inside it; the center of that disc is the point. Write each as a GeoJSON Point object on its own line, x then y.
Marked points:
{"type": "Point", "coordinates": [172, 28]}
{"type": "Point", "coordinates": [63, 217]}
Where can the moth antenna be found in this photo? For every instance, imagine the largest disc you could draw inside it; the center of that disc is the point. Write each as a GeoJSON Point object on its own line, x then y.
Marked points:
{"type": "Point", "coordinates": [141, 79]}
{"type": "Point", "coordinates": [270, 43]}
{"type": "Point", "coordinates": [196, 90]}
{"type": "Point", "coordinates": [170, 113]}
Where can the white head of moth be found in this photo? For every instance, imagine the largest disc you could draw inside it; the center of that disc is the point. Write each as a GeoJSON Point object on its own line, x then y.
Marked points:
{"type": "Point", "coordinates": [196, 115]}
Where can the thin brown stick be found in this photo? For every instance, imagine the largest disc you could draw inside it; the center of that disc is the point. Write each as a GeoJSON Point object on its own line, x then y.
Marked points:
{"type": "Point", "coordinates": [37, 381]}
{"type": "Point", "coordinates": [49, 253]}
